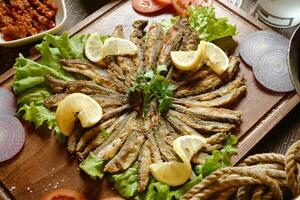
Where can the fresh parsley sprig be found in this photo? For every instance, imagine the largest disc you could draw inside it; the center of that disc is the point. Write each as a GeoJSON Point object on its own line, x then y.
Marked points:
{"type": "Point", "coordinates": [153, 85]}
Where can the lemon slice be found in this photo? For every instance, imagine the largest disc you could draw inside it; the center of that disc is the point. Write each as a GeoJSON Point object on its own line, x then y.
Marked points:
{"type": "Point", "coordinates": [188, 60]}
{"type": "Point", "coordinates": [88, 111]}
{"type": "Point", "coordinates": [177, 173]}
{"type": "Point", "coordinates": [94, 48]}
{"type": "Point", "coordinates": [186, 146]}
{"type": "Point", "coordinates": [119, 46]}
{"type": "Point", "coordinates": [171, 173]}
{"type": "Point", "coordinates": [216, 58]}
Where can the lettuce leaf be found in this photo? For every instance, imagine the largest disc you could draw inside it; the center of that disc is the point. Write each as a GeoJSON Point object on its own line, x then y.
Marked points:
{"type": "Point", "coordinates": [29, 80]}
{"type": "Point", "coordinates": [209, 27]}
{"type": "Point", "coordinates": [219, 159]}
{"type": "Point", "coordinates": [93, 166]}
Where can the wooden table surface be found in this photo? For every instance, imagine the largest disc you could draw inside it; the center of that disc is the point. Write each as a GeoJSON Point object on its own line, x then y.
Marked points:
{"type": "Point", "coordinates": [278, 140]}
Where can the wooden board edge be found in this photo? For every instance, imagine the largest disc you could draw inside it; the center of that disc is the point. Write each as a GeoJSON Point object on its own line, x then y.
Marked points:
{"type": "Point", "coordinates": [259, 131]}
{"type": "Point", "coordinates": [81, 25]}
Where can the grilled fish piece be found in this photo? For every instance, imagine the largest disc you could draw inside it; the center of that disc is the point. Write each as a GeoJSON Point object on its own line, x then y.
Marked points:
{"type": "Point", "coordinates": [181, 127]}
{"type": "Point", "coordinates": [171, 134]}
{"type": "Point", "coordinates": [166, 151]}
{"type": "Point", "coordinates": [223, 101]}
{"type": "Point", "coordinates": [221, 91]}
{"type": "Point", "coordinates": [171, 41]}
{"type": "Point", "coordinates": [86, 87]}
{"type": "Point", "coordinates": [210, 148]}
{"type": "Point", "coordinates": [95, 73]}
{"type": "Point", "coordinates": [125, 62]}
{"type": "Point", "coordinates": [92, 132]}
{"type": "Point", "coordinates": [145, 161]}
{"type": "Point", "coordinates": [212, 81]}
{"type": "Point", "coordinates": [52, 101]}
{"type": "Point", "coordinates": [212, 114]}
{"type": "Point", "coordinates": [201, 125]}
{"type": "Point", "coordinates": [216, 138]}
{"type": "Point", "coordinates": [104, 101]}
{"type": "Point", "coordinates": [73, 138]}
{"type": "Point", "coordinates": [137, 37]}
{"type": "Point", "coordinates": [190, 41]}
{"type": "Point", "coordinates": [127, 154]}
{"type": "Point", "coordinates": [153, 45]}
{"type": "Point", "coordinates": [123, 120]}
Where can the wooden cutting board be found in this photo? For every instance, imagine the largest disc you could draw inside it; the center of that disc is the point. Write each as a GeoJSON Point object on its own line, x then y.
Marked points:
{"type": "Point", "coordinates": [44, 164]}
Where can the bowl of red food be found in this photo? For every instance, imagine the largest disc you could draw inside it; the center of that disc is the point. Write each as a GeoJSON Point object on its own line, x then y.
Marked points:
{"type": "Point", "coordinates": [23, 22]}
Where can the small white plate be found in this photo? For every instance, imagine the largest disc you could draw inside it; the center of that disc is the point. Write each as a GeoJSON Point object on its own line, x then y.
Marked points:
{"type": "Point", "coordinates": [60, 18]}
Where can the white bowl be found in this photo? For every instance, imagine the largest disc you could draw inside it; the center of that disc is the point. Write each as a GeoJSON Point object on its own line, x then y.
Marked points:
{"type": "Point", "coordinates": [60, 18]}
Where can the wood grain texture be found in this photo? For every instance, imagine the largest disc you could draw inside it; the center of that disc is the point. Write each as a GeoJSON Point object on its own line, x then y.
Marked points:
{"type": "Point", "coordinates": [53, 166]}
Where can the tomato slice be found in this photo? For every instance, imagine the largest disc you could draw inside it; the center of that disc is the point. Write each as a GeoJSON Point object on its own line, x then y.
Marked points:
{"type": "Point", "coordinates": [182, 5]}
{"type": "Point", "coordinates": [147, 6]}
{"type": "Point", "coordinates": [164, 2]}
{"type": "Point", "coordinates": [64, 194]}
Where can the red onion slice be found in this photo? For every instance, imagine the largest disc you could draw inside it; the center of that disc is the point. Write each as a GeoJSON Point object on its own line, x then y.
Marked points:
{"type": "Point", "coordinates": [7, 101]}
{"type": "Point", "coordinates": [254, 44]}
{"type": "Point", "coordinates": [272, 70]}
{"type": "Point", "coordinates": [12, 136]}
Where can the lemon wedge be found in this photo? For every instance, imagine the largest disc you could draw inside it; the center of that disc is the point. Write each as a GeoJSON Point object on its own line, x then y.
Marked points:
{"type": "Point", "coordinates": [119, 46]}
{"type": "Point", "coordinates": [215, 57]}
{"type": "Point", "coordinates": [94, 48]}
{"type": "Point", "coordinates": [177, 173]}
{"type": "Point", "coordinates": [88, 111]}
{"type": "Point", "coordinates": [188, 60]}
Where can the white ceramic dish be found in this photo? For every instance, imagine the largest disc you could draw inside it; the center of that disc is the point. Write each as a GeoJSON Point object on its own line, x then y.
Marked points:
{"type": "Point", "coordinates": [60, 18]}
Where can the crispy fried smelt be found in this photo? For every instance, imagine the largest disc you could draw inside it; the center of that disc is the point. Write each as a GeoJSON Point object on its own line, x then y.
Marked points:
{"type": "Point", "coordinates": [181, 127]}
{"type": "Point", "coordinates": [200, 125]}
{"type": "Point", "coordinates": [137, 37]}
{"type": "Point", "coordinates": [145, 161]}
{"type": "Point", "coordinates": [92, 132]}
{"type": "Point", "coordinates": [123, 120]}
{"type": "Point", "coordinates": [216, 138]}
{"type": "Point", "coordinates": [105, 101]}
{"type": "Point", "coordinates": [86, 87]}
{"type": "Point", "coordinates": [239, 81]}
{"type": "Point", "coordinates": [171, 135]}
{"type": "Point", "coordinates": [95, 73]}
{"type": "Point", "coordinates": [171, 41]}
{"type": "Point", "coordinates": [73, 138]}
{"type": "Point", "coordinates": [153, 45]}
{"type": "Point", "coordinates": [224, 101]}
{"type": "Point", "coordinates": [166, 151]}
{"type": "Point", "coordinates": [127, 154]}
{"type": "Point", "coordinates": [212, 81]}
{"type": "Point", "coordinates": [213, 114]}
{"type": "Point", "coordinates": [210, 148]}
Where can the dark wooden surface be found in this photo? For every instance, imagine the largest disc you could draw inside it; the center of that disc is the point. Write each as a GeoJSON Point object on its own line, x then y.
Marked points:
{"type": "Point", "coordinates": [278, 140]}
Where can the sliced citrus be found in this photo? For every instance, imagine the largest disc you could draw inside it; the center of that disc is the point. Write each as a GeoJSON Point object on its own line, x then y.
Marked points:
{"type": "Point", "coordinates": [119, 46]}
{"type": "Point", "coordinates": [171, 173]}
{"type": "Point", "coordinates": [215, 57]}
{"type": "Point", "coordinates": [94, 48]}
{"type": "Point", "coordinates": [88, 111]}
{"type": "Point", "coordinates": [177, 173]}
{"type": "Point", "coordinates": [188, 60]}
{"type": "Point", "coordinates": [186, 146]}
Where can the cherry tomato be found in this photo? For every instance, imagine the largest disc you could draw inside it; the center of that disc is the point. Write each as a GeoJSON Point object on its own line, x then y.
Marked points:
{"type": "Point", "coordinates": [182, 5]}
{"type": "Point", "coordinates": [147, 6]}
{"type": "Point", "coordinates": [64, 194]}
{"type": "Point", "coordinates": [164, 2]}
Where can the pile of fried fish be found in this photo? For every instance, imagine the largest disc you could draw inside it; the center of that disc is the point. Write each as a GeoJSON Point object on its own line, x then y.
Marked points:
{"type": "Point", "coordinates": [200, 105]}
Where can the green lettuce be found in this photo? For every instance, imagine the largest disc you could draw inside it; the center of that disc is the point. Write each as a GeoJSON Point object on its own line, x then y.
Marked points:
{"type": "Point", "coordinates": [209, 27]}
{"type": "Point", "coordinates": [93, 166]}
{"type": "Point", "coordinates": [218, 159]}
{"type": "Point", "coordinates": [29, 80]}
